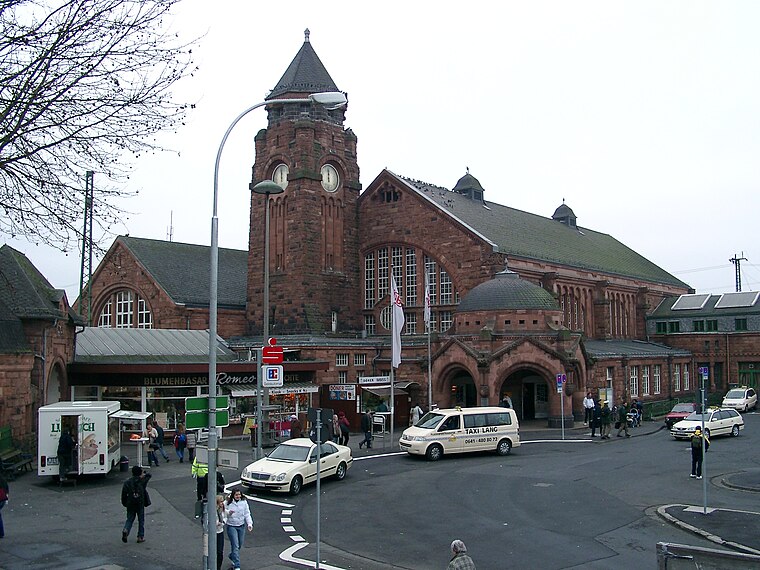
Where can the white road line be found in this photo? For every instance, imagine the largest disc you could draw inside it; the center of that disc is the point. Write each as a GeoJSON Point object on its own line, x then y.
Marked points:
{"type": "Point", "coordinates": [557, 441]}
{"type": "Point", "coordinates": [391, 454]}
{"type": "Point", "coordinates": [288, 556]}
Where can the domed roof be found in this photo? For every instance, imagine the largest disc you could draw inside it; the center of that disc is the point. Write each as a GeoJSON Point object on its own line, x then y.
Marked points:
{"type": "Point", "coordinates": [563, 211]}
{"type": "Point", "coordinates": [467, 183]}
{"type": "Point", "coordinates": [507, 291]}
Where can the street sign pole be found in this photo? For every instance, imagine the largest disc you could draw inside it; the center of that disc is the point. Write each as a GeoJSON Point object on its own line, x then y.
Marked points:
{"type": "Point", "coordinates": [561, 391]}
{"type": "Point", "coordinates": [319, 494]}
{"type": "Point", "coordinates": [259, 403]}
{"type": "Point", "coordinates": [705, 374]}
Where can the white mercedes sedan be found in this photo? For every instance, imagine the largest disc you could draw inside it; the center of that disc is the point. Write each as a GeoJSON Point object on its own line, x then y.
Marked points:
{"type": "Point", "coordinates": [293, 464]}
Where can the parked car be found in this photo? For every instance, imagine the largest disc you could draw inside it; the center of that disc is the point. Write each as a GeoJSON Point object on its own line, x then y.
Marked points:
{"type": "Point", "coordinates": [742, 398]}
{"type": "Point", "coordinates": [293, 464]}
{"type": "Point", "coordinates": [679, 412]}
{"type": "Point", "coordinates": [718, 421]}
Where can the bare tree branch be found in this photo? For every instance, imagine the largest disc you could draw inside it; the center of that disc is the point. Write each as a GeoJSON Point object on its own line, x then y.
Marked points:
{"type": "Point", "coordinates": [84, 85]}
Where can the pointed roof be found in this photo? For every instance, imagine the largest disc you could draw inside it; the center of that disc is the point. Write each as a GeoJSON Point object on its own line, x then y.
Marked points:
{"type": "Point", "coordinates": [305, 74]}
{"type": "Point", "coordinates": [529, 236]}
{"type": "Point", "coordinates": [183, 270]}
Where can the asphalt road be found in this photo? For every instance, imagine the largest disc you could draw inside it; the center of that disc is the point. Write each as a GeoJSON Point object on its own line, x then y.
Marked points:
{"type": "Point", "coordinates": [550, 504]}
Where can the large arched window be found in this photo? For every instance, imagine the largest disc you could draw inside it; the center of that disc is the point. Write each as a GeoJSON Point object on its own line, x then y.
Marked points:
{"type": "Point", "coordinates": [125, 309]}
{"type": "Point", "coordinates": [410, 268]}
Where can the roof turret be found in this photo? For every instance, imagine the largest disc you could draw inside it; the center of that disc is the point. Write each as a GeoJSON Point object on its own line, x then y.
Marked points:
{"type": "Point", "coordinates": [305, 75]}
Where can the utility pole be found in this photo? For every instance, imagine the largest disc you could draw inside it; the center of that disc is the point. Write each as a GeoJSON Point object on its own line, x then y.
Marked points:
{"type": "Point", "coordinates": [85, 273]}
{"type": "Point", "coordinates": [737, 261]}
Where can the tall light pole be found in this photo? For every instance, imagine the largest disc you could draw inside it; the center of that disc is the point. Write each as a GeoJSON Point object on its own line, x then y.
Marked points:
{"type": "Point", "coordinates": [331, 100]}
{"type": "Point", "coordinates": [265, 188]}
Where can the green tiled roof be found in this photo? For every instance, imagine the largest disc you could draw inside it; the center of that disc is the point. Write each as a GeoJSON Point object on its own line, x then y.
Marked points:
{"type": "Point", "coordinates": [507, 291]}
{"type": "Point", "coordinates": [522, 234]}
{"type": "Point", "coordinates": [184, 270]}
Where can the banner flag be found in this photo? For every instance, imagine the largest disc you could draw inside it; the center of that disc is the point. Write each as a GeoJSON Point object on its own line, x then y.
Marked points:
{"type": "Point", "coordinates": [397, 323]}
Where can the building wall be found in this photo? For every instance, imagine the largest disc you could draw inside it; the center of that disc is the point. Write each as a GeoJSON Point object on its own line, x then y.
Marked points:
{"type": "Point", "coordinates": [16, 399]}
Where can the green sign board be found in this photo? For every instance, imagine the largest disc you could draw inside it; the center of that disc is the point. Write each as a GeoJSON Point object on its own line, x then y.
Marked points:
{"type": "Point", "coordinates": [200, 403]}
{"type": "Point", "coordinates": [198, 420]}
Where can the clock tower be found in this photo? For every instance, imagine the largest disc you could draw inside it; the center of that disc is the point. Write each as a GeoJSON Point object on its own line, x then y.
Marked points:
{"type": "Point", "coordinates": [314, 263]}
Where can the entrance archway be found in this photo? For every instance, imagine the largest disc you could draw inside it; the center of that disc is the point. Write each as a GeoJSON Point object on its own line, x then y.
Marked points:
{"type": "Point", "coordinates": [459, 390]}
{"type": "Point", "coordinates": [53, 389]}
{"type": "Point", "coordinates": [529, 391]}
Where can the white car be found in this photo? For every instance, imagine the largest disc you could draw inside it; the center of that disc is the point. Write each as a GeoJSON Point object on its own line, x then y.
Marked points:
{"type": "Point", "coordinates": [718, 421]}
{"type": "Point", "coordinates": [293, 464]}
{"type": "Point", "coordinates": [742, 399]}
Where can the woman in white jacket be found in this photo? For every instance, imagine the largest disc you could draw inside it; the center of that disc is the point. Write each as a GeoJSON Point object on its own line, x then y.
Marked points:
{"type": "Point", "coordinates": [238, 517]}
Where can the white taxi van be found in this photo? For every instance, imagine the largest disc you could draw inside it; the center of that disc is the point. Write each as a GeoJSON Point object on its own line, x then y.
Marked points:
{"type": "Point", "coordinates": [460, 430]}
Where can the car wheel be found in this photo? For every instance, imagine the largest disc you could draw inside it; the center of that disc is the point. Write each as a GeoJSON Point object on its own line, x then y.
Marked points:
{"type": "Point", "coordinates": [295, 485]}
{"type": "Point", "coordinates": [434, 452]}
{"type": "Point", "coordinates": [735, 431]}
{"type": "Point", "coordinates": [504, 447]}
{"type": "Point", "coordinates": [340, 472]}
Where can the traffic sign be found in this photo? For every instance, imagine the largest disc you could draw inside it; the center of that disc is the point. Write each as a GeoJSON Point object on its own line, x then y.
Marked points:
{"type": "Point", "coordinates": [271, 376]}
{"type": "Point", "coordinates": [198, 420]}
{"type": "Point", "coordinates": [200, 403]}
{"type": "Point", "coordinates": [271, 354]}
{"type": "Point", "coordinates": [561, 379]}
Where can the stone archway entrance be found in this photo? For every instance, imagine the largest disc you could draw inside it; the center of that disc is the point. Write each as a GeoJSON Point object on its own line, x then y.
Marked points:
{"type": "Point", "coordinates": [529, 392]}
{"type": "Point", "coordinates": [459, 390]}
{"type": "Point", "coordinates": [53, 388]}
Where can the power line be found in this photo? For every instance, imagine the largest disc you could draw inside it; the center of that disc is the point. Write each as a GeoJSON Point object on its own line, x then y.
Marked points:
{"type": "Point", "coordinates": [701, 269]}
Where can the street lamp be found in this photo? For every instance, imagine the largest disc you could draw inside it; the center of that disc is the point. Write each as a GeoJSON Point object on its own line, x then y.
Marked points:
{"type": "Point", "coordinates": [265, 188]}
{"type": "Point", "coordinates": [331, 100]}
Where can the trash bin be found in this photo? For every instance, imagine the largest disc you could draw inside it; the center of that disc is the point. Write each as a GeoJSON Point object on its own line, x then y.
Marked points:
{"type": "Point", "coordinates": [124, 464]}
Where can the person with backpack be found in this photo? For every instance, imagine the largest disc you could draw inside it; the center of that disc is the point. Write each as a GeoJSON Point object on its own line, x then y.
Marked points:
{"type": "Point", "coordinates": [65, 453]}
{"type": "Point", "coordinates": [160, 440]}
{"type": "Point", "coordinates": [134, 497]}
{"type": "Point", "coordinates": [4, 498]}
{"type": "Point", "coordinates": [696, 452]}
{"type": "Point", "coordinates": [180, 442]}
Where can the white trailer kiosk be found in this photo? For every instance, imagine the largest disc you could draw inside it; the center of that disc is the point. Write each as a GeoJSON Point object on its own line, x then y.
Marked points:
{"type": "Point", "coordinates": [96, 429]}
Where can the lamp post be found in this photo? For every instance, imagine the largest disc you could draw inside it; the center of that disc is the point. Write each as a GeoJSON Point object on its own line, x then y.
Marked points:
{"type": "Point", "coordinates": [265, 188]}
{"type": "Point", "coordinates": [331, 100]}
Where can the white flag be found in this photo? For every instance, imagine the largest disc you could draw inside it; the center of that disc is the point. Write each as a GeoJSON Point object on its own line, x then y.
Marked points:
{"type": "Point", "coordinates": [397, 323]}
{"type": "Point", "coordinates": [427, 303]}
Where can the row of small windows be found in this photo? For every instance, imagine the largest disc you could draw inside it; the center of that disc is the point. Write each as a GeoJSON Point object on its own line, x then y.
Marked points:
{"type": "Point", "coordinates": [709, 325]}
{"type": "Point", "coordinates": [342, 359]}
{"type": "Point", "coordinates": [124, 310]}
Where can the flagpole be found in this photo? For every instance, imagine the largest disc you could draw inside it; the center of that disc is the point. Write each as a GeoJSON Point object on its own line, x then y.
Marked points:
{"type": "Point", "coordinates": [427, 326]}
{"type": "Point", "coordinates": [393, 329]}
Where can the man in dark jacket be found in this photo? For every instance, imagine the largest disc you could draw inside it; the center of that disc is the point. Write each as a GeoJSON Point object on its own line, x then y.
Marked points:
{"type": "Point", "coordinates": [606, 419]}
{"type": "Point", "coordinates": [366, 425]}
{"type": "Point", "coordinates": [622, 417]}
{"type": "Point", "coordinates": [696, 452]}
{"type": "Point", "coordinates": [133, 497]}
{"type": "Point", "coordinates": [65, 452]}
{"type": "Point", "coordinates": [160, 440]}
{"type": "Point", "coordinates": [596, 419]}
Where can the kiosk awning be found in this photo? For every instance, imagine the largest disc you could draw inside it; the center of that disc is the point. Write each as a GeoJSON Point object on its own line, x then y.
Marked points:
{"type": "Point", "coordinates": [384, 391]}
{"type": "Point", "coordinates": [405, 385]}
{"type": "Point", "coordinates": [246, 390]}
{"type": "Point", "coordinates": [128, 415]}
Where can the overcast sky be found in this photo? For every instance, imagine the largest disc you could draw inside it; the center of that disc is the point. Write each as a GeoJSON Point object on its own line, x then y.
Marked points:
{"type": "Point", "coordinates": [643, 116]}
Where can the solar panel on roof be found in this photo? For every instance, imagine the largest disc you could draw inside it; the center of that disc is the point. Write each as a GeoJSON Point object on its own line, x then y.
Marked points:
{"type": "Point", "coordinates": [690, 302]}
{"type": "Point", "coordinates": [739, 299]}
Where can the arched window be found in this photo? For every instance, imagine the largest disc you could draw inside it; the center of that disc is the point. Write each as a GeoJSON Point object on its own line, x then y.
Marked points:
{"type": "Point", "coordinates": [125, 309]}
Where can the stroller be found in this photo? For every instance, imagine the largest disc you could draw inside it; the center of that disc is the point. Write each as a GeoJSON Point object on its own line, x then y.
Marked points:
{"type": "Point", "coordinates": [634, 418]}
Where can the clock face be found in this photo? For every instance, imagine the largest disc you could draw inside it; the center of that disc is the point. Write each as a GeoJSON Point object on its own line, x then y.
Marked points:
{"type": "Point", "coordinates": [330, 179]}
{"type": "Point", "coordinates": [280, 176]}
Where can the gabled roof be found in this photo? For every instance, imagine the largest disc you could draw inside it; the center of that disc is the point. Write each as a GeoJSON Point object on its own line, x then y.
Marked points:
{"type": "Point", "coordinates": [183, 270]}
{"type": "Point", "coordinates": [522, 234]}
{"type": "Point", "coordinates": [305, 74]}
{"type": "Point", "coordinates": [142, 346]}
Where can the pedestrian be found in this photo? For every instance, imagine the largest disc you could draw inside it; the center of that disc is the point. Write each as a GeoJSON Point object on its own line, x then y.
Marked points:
{"type": "Point", "coordinates": [596, 419]}
{"type": "Point", "coordinates": [221, 519]}
{"type": "Point", "coordinates": [152, 434]}
{"type": "Point", "coordinates": [199, 472]}
{"type": "Point", "coordinates": [238, 517]}
{"type": "Point", "coordinates": [506, 401]}
{"type": "Point", "coordinates": [588, 408]}
{"type": "Point", "coordinates": [344, 427]}
{"type": "Point", "coordinates": [383, 407]}
{"type": "Point", "coordinates": [366, 425]}
{"type": "Point", "coordinates": [160, 440]}
{"type": "Point", "coordinates": [295, 427]}
{"type": "Point", "coordinates": [180, 442]}
{"type": "Point", "coordinates": [66, 446]}
{"type": "Point", "coordinates": [696, 452]}
{"type": "Point", "coordinates": [192, 439]}
{"type": "Point", "coordinates": [134, 496]}
{"type": "Point", "coordinates": [460, 560]}
{"type": "Point", "coordinates": [416, 414]}
{"type": "Point", "coordinates": [335, 432]}
{"type": "Point", "coordinates": [5, 494]}
{"type": "Point", "coordinates": [622, 419]}
{"type": "Point", "coordinates": [606, 419]}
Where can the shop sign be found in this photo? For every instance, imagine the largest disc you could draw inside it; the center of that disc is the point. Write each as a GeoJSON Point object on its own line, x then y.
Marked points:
{"type": "Point", "coordinates": [370, 380]}
{"type": "Point", "coordinates": [342, 392]}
